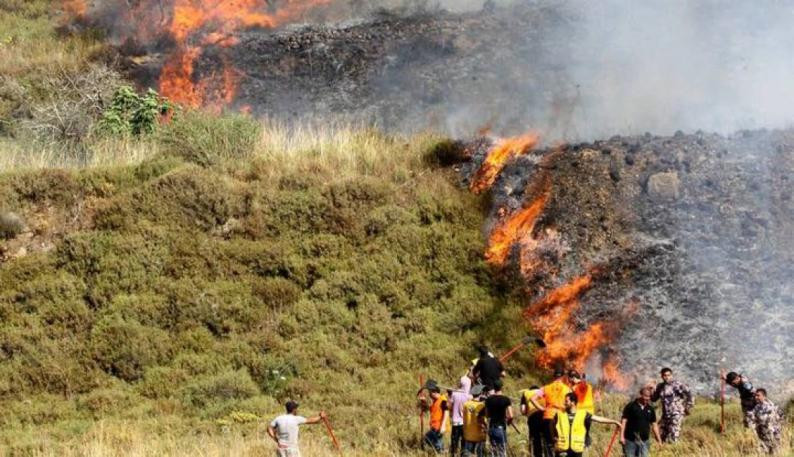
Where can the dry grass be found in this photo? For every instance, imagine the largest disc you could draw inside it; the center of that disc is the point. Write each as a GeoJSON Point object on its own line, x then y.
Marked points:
{"type": "Point", "coordinates": [17, 155]}
{"type": "Point", "coordinates": [345, 149]}
{"type": "Point", "coordinates": [168, 436]}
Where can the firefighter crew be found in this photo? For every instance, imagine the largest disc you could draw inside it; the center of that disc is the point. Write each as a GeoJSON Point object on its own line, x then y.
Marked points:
{"type": "Point", "coordinates": [677, 403]}
{"type": "Point", "coordinates": [534, 422]}
{"type": "Point", "coordinates": [572, 426]}
{"type": "Point", "coordinates": [553, 395]}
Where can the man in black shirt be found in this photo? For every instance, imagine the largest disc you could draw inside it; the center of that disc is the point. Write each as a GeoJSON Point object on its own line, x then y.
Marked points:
{"type": "Point", "coordinates": [499, 412]}
{"type": "Point", "coordinates": [746, 396]}
{"type": "Point", "coordinates": [488, 369]}
{"type": "Point", "coordinates": [639, 418]}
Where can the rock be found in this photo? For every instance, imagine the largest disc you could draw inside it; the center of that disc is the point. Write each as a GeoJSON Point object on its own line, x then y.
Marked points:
{"type": "Point", "coordinates": [664, 186]}
{"type": "Point", "coordinates": [11, 225]}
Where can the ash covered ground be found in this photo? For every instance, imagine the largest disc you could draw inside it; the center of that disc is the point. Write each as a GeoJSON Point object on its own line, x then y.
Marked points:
{"type": "Point", "coordinates": [697, 229]}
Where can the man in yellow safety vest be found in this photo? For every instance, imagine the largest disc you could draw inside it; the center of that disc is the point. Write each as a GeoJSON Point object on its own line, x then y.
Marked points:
{"type": "Point", "coordinates": [534, 422]}
{"type": "Point", "coordinates": [572, 426]}
{"type": "Point", "coordinates": [584, 392]}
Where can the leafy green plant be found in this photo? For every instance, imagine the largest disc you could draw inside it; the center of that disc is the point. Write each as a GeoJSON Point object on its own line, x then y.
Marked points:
{"type": "Point", "coordinates": [132, 113]}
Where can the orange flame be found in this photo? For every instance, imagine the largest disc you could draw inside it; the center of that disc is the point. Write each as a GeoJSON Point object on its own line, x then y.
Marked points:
{"type": "Point", "coordinates": [193, 24]}
{"type": "Point", "coordinates": [614, 376]}
{"type": "Point", "coordinates": [175, 79]}
{"type": "Point", "coordinates": [514, 228]}
{"type": "Point", "coordinates": [498, 157]}
{"type": "Point", "coordinates": [75, 8]}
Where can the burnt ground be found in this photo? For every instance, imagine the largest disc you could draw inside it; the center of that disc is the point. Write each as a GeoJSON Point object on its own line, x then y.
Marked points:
{"type": "Point", "coordinates": [699, 229]}
{"type": "Point", "coordinates": [402, 73]}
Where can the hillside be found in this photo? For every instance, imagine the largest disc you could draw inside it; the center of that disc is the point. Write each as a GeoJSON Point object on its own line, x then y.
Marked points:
{"type": "Point", "coordinates": [166, 282]}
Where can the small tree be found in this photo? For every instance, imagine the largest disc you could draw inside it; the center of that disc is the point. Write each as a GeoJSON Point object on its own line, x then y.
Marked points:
{"type": "Point", "coordinates": [131, 113]}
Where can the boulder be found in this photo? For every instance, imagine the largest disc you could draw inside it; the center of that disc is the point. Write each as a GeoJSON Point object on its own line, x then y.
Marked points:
{"type": "Point", "coordinates": [664, 186]}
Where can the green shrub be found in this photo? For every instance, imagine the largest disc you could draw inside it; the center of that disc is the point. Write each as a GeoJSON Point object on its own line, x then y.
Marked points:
{"type": "Point", "coordinates": [132, 113]}
{"type": "Point", "coordinates": [205, 139]}
{"type": "Point", "coordinates": [125, 349]}
{"type": "Point", "coordinates": [227, 385]}
{"type": "Point", "coordinates": [11, 225]}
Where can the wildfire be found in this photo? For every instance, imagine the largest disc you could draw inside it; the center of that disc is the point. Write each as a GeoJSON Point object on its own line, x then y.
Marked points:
{"type": "Point", "coordinates": [614, 376]}
{"type": "Point", "coordinates": [75, 8]}
{"type": "Point", "coordinates": [192, 25]}
{"type": "Point", "coordinates": [552, 317]}
{"type": "Point", "coordinates": [517, 226]}
{"type": "Point", "coordinates": [497, 158]}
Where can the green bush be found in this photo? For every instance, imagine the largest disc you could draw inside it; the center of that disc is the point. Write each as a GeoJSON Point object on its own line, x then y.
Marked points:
{"type": "Point", "coordinates": [124, 348]}
{"type": "Point", "coordinates": [205, 139]}
{"type": "Point", "coordinates": [132, 113]}
{"type": "Point", "coordinates": [227, 385]}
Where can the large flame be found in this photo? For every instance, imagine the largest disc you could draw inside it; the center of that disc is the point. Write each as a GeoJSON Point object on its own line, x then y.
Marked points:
{"type": "Point", "coordinates": [75, 8]}
{"type": "Point", "coordinates": [514, 228]}
{"type": "Point", "coordinates": [192, 25]}
{"type": "Point", "coordinates": [496, 159]}
{"type": "Point", "coordinates": [212, 22]}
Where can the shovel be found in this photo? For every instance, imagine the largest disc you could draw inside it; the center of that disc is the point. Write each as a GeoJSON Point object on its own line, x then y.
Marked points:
{"type": "Point", "coordinates": [527, 340]}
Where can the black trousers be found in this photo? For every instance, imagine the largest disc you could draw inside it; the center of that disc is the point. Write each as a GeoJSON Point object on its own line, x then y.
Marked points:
{"type": "Point", "coordinates": [456, 446]}
{"type": "Point", "coordinates": [535, 423]}
{"type": "Point", "coordinates": [548, 437]}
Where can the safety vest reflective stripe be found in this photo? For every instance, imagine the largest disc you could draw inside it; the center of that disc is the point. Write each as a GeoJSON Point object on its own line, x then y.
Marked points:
{"type": "Point", "coordinates": [555, 398]}
{"type": "Point", "coordinates": [584, 394]}
{"type": "Point", "coordinates": [571, 436]}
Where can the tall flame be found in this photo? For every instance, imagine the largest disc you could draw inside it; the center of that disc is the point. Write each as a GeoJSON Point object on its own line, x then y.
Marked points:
{"type": "Point", "coordinates": [513, 229]}
{"type": "Point", "coordinates": [496, 159]}
{"type": "Point", "coordinates": [75, 8]}
{"type": "Point", "coordinates": [192, 25]}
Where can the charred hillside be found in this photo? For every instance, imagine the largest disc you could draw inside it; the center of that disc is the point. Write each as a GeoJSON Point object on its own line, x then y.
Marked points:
{"type": "Point", "coordinates": [670, 250]}
{"type": "Point", "coordinates": [401, 72]}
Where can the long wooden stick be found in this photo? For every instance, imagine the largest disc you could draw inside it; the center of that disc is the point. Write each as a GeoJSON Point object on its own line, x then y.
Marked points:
{"type": "Point", "coordinates": [722, 401]}
{"type": "Point", "coordinates": [612, 442]}
{"type": "Point", "coordinates": [331, 433]}
{"type": "Point", "coordinates": [422, 412]}
{"type": "Point", "coordinates": [511, 352]}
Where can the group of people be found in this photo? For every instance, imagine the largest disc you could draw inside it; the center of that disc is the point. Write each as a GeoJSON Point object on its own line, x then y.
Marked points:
{"type": "Point", "coordinates": [560, 414]}
{"type": "Point", "coordinates": [477, 414]}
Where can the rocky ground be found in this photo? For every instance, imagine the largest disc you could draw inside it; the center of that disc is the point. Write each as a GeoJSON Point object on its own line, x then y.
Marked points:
{"type": "Point", "coordinates": [697, 229]}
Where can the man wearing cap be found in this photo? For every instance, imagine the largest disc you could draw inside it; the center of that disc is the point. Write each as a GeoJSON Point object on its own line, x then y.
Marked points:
{"type": "Point", "coordinates": [553, 395]}
{"type": "Point", "coordinates": [439, 415]}
{"type": "Point", "coordinates": [473, 433]}
{"type": "Point", "coordinates": [284, 430]}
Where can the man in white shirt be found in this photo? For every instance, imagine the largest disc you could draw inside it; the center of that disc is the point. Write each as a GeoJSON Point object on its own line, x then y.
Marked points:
{"type": "Point", "coordinates": [284, 430]}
